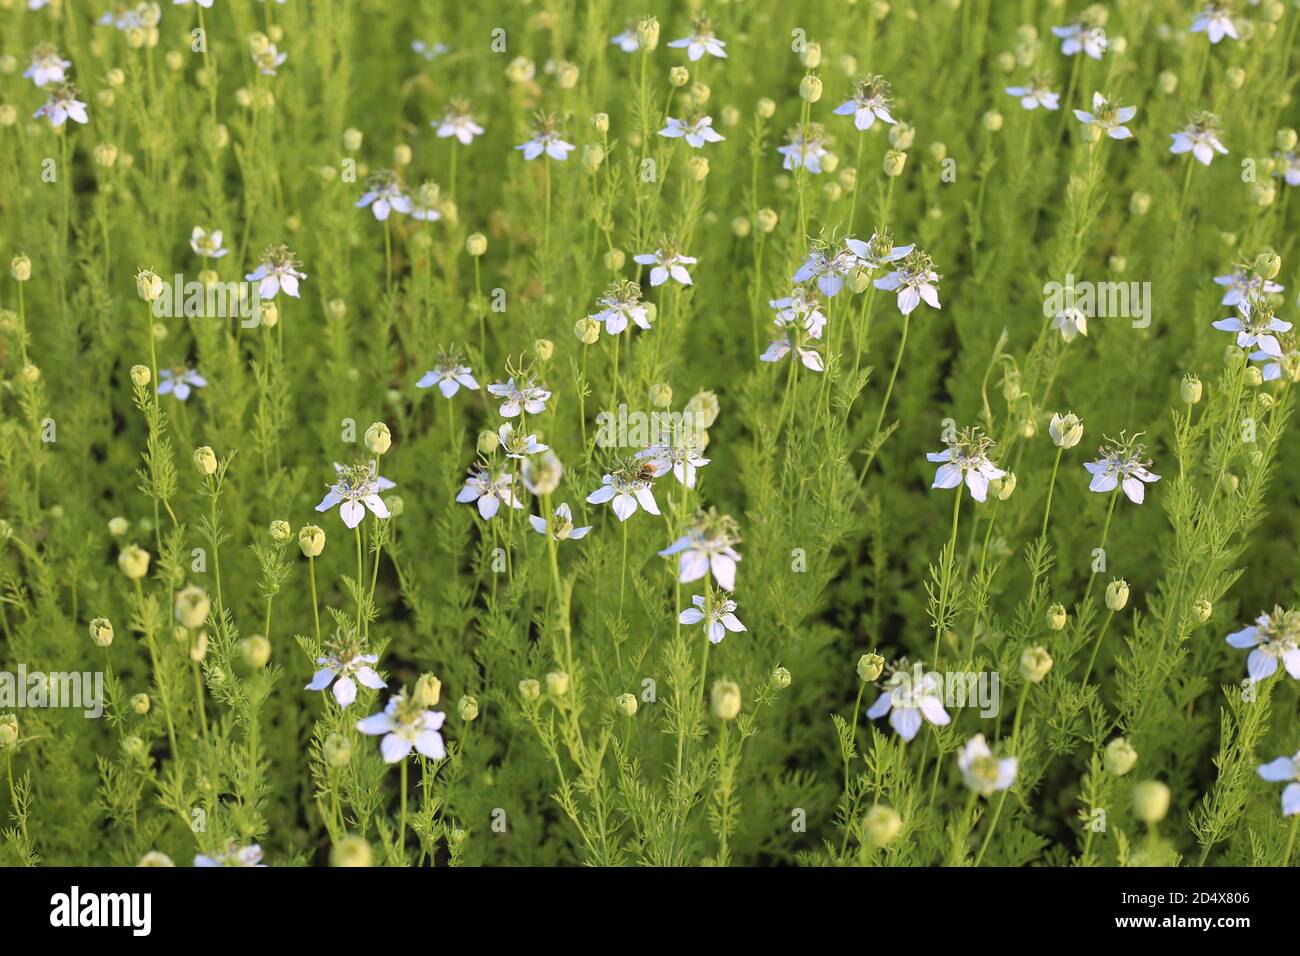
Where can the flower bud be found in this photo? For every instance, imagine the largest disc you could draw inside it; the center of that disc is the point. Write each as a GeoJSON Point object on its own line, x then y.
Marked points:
{"type": "Point", "coordinates": [1066, 431]}
{"type": "Point", "coordinates": [1286, 140]}
{"type": "Point", "coordinates": [614, 260]}
{"type": "Point", "coordinates": [256, 651]}
{"type": "Point", "coordinates": [105, 155]}
{"type": "Point", "coordinates": [1004, 486]}
{"type": "Point", "coordinates": [1119, 757]}
{"type": "Point", "coordinates": [600, 123]}
{"type": "Point", "coordinates": [592, 156]}
{"type": "Point", "coordinates": [1268, 264]}
{"type": "Point", "coordinates": [587, 330]}
{"type": "Point", "coordinates": [488, 441]}
{"type": "Point", "coordinates": [205, 460]}
{"type": "Point", "coordinates": [765, 219]}
{"type": "Point", "coordinates": [378, 438]}
{"type": "Point", "coordinates": [1150, 801]}
{"type": "Point", "coordinates": [192, 606]}
{"type": "Point", "coordinates": [810, 88]}
{"type": "Point", "coordinates": [1235, 76]}
{"type": "Point", "coordinates": [428, 690]}
{"type": "Point", "coordinates": [894, 162]}
{"type": "Point", "coordinates": [467, 707]}
{"type": "Point", "coordinates": [647, 33]}
{"type": "Point", "coordinates": [8, 114]}
{"type": "Point", "coordinates": [1056, 617]}
{"type": "Point", "coordinates": [870, 666]}
{"type": "Point", "coordinates": [1117, 594]}
{"type": "Point", "coordinates": [1254, 376]}
{"type": "Point", "coordinates": [703, 408]}
{"type": "Point", "coordinates": [311, 540]}
{"type": "Point", "coordinates": [1190, 390]}
{"type": "Point", "coordinates": [8, 731]}
{"type": "Point", "coordinates": [529, 689]}
{"type": "Point", "coordinates": [140, 703]}
{"type": "Point", "coordinates": [781, 678]}
{"type": "Point", "coordinates": [992, 121]}
{"type": "Point", "coordinates": [134, 561]}
{"type": "Point", "coordinates": [697, 167]}
{"type": "Point", "coordinates": [280, 531]}
{"type": "Point", "coordinates": [148, 285]}
{"type": "Point", "coordinates": [101, 632]}
{"type": "Point", "coordinates": [661, 395]}
{"type": "Point", "coordinates": [679, 76]}
{"type": "Point", "coordinates": [765, 108]}
{"type": "Point", "coordinates": [725, 699]}
{"type": "Point", "coordinates": [1035, 662]}
{"type": "Point", "coordinates": [1139, 203]}
{"type": "Point", "coordinates": [882, 824]}
{"type": "Point", "coordinates": [1202, 610]}
{"type": "Point", "coordinates": [811, 57]}
{"type": "Point", "coordinates": [337, 751]}
{"type": "Point", "coordinates": [625, 704]}
{"type": "Point", "coordinates": [199, 649]}
{"type": "Point", "coordinates": [118, 526]}
{"type": "Point", "coordinates": [351, 851]}
{"type": "Point", "coordinates": [557, 683]}
{"type": "Point", "coordinates": [476, 244]}
{"type": "Point", "coordinates": [20, 267]}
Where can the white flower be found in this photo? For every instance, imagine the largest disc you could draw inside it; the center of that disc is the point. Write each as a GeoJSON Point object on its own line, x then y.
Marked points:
{"type": "Point", "coordinates": [1243, 283]}
{"type": "Point", "coordinates": [207, 244]}
{"type": "Point", "coordinates": [278, 270]}
{"type": "Point", "coordinates": [47, 66]}
{"type": "Point", "coordinates": [828, 268]}
{"type": "Point", "coordinates": [982, 772]}
{"type": "Point", "coordinates": [700, 42]}
{"type": "Point", "coordinates": [800, 309]}
{"type": "Point", "coordinates": [354, 488]}
{"type": "Point", "coordinates": [915, 282]}
{"type": "Point", "coordinates": [404, 725]}
{"type": "Point", "coordinates": [63, 105]}
{"type": "Point", "coordinates": [1071, 322]}
{"type": "Point", "coordinates": [787, 341]}
{"type": "Point", "coordinates": [449, 375]}
{"type": "Point", "coordinates": [269, 59]}
{"type": "Point", "coordinates": [667, 261]}
{"type": "Point", "coordinates": [425, 49]}
{"type": "Point", "coordinates": [1079, 37]}
{"type": "Point", "coordinates": [696, 131]}
{"type": "Point", "coordinates": [1036, 94]}
{"type": "Point", "coordinates": [560, 527]}
{"type": "Point", "coordinates": [721, 617]}
{"type": "Point", "coordinates": [625, 488]}
{"type": "Point", "coordinates": [626, 41]}
{"type": "Point", "coordinates": [1254, 327]}
{"type": "Point", "coordinates": [1200, 138]}
{"type": "Point", "coordinates": [1215, 22]}
{"type": "Point", "coordinates": [677, 449]}
{"type": "Point", "coordinates": [524, 396]}
{"type": "Point", "coordinates": [622, 302]}
{"type": "Point", "coordinates": [205, 4]}
{"type": "Point", "coordinates": [907, 701]}
{"type": "Point", "coordinates": [1121, 463]}
{"type": "Point", "coordinates": [246, 856]}
{"type": "Point", "coordinates": [1282, 770]}
{"type": "Point", "coordinates": [966, 457]}
{"type": "Point", "coordinates": [869, 102]}
{"type": "Point", "coordinates": [806, 152]}
{"type": "Point", "coordinates": [878, 251]}
{"type": "Point", "coordinates": [1274, 366]}
{"type": "Point", "coordinates": [542, 478]}
{"type": "Point", "coordinates": [517, 445]}
{"type": "Point", "coordinates": [179, 381]}
{"type": "Point", "coordinates": [1290, 167]}
{"type": "Point", "coordinates": [1274, 637]}
{"type": "Point", "coordinates": [383, 195]}
{"type": "Point", "coordinates": [546, 139]}
{"type": "Point", "coordinates": [458, 122]}
{"type": "Point", "coordinates": [344, 666]}
{"type": "Point", "coordinates": [1107, 117]}
{"type": "Point", "coordinates": [489, 491]}
{"type": "Point", "coordinates": [708, 547]}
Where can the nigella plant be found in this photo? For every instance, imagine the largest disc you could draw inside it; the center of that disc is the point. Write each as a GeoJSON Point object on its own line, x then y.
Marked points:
{"type": "Point", "coordinates": [1123, 464]}
{"type": "Point", "coordinates": [1255, 325]}
{"type": "Point", "coordinates": [344, 666]}
{"type": "Point", "coordinates": [868, 102]}
{"type": "Point", "coordinates": [458, 121]}
{"type": "Point", "coordinates": [708, 547]}
{"type": "Point", "coordinates": [355, 490]}
{"type": "Point", "coordinates": [914, 280]}
{"type": "Point", "coordinates": [966, 459]}
{"type": "Point", "coordinates": [450, 374]}
{"type": "Point", "coordinates": [277, 270]}
{"type": "Point", "coordinates": [384, 195]}
{"type": "Point", "coordinates": [1200, 137]}
{"type": "Point", "coordinates": [805, 148]}
{"type": "Point", "coordinates": [546, 139]}
{"type": "Point", "coordinates": [1274, 638]}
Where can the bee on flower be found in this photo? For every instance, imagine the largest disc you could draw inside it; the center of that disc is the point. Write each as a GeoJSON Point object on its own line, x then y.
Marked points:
{"type": "Point", "coordinates": [828, 266]}
{"type": "Point", "coordinates": [384, 194]}
{"type": "Point", "coordinates": [718, 613]}
{"type": "Point", "coordinates": [806, 152]}
{"type": "Point", "coordinates": [1083, 37]}
{"type": "Point", "coordinates": [521, 393]}
{"type": "Point", "coordinates": [701, 41]}
{"type": "Point", "coordinates": [1244, 283]}
{"type": "Point", "coordinates": [560, 527]}
{"type": "Point", "coordinates": [344, 667]}
{"type": "Point", "coordinates": [179, 381]}
{"type": "Point", "coordinates": [458, 121]}
{"type": "Point", "coordinates": [1215, 21]}
{"type": "Point", "coordinates": [1274, 637]}
{"type": "Point", "coordinates": [878, 251]}
{"type": "Point", "coordinates": [915, 281]}
{"type": "Point", "coordinates": [868, 102]}
{"type": "Point", "coordinates": [708, 547]}
{"type": "Point", "coordinates": [1121, 464]}
{"type": "Point", "coordinates": [621, 303]}
{"type": "Point", "coordinates": [982, 772]}
{"type": "Point", "coordinates": [908, 699]}
{"type": "Point", "coordinates": [355, 489]}
{"type": "Point", "coordinates": [626, 486]}
{"type": "Point", "coordinates": [207, 244]}
{"type": "Point", "coordinates": [1107, 117]}
{"type": "Point", "coordinates": [678, 448]}
{"type": "Point", "coordinates": [667, 262]}
{"type": "Point", "coordinates": [546, 139]}
{"type": "Point", "coordinates": [966, 459]}
{"type": "Point", "coordinates": [489, 491]}
{"type": "Point", "coordinates": [450, 375]}
{"type": "Point", "coordinates": [1200, 137]}
{"type": "Point", "coordinates": [1285, 770]}
{"type": "Point", "coordinates": [62, 105]}
{"type": "Point", "coordinates": [1254, 325]}
{"type": "Point", "coordinates": [406, 725]}
{"type": "Point", "coordinates": [233, 856]}
{"type": "Point", "coordinates": [278, 270]}
{"type": "Point", "coordinates": [47, 66]}
{"type": "Point", "coordinates": [1036, 93]}
{"type": "Point", "coordinates": [696, 130]}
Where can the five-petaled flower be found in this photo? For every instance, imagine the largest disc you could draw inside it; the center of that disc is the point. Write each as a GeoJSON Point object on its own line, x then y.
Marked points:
{"type": "Point", "coordinates": [355, 489]}
{"type": "Point", "coordinates": [178, 381]}
{"type": "Point", "coordinates": [966, 458]}
{"type": "Point", "coordinates": [520, 394]}
{"type": "Point", "coordinates": [405, 724]}
{"type": "Point", "coordinates": [869, 102]}
{"type": "Point", "coordinates": [701, 41]}
{"type": "Point", "coordinates": [621, 303]}
{"type": "Point", "coordinates": [626, 487]}
{"type": "Point", "coordinates": [277, 270]}
{"type": "Point", "coordinates": [828, 266]}
{"type": "Point", "coordinates": [344, 668]}
{"type": "Point", "coordinates": [707, 547]}
{"type": "Point", "coordinates": [1121, 464]}
{"type": "Point", "coordinates": [1036, 93]}
{"type": "Point", "coordinates": [546, 139]}
{"type": "Point", "coordinates": [207, 244]}
{"type": "Point", "coordinates": [1285, 770]}
{"type": "Point", "coordinates": [984, 773]}
{"type": "Point", "coordinates": [804, 149]}
{"type": "Point", "coordinates": [1200, 137]}
{"type": "Point", "coordinates": [450, 375]}
{"type": "Point", "coordinates": [915, 281]}
{"type": "Point", "coordinates": [1244, 283]}
{"type": "Point", "coordinates": [516, 444]}
{"type": "Point", "coordinates": [1255, 326]}
{"type": "Point", "coordinates": [489, 491]}
{"type": "Point", "coordinates": [1274, 637]}
{"type": "Point", "coordinates": [667, 261]}
{"type": "Point", "coordinates": [696, 130]}
{"type": "Point", "coordinates": [47, 66]}
{"type": "Point", "coordinates": [457, 121]}
{"type": "Point", "coordinates": [560, 527]}
{"type": "Point", "coordinates": [384, 195]}
{"type": "Point", "coordinates": [1215, 21]}
{"type": "Point", "coordinates": [63, 105]}
{"type": "Point", "coordinates": [718, 614]}
{"type": "Point", "coordinates": [1082, 38]}
{"type": "Point", "coordinates": [907, 699]}
{"type": "Point", "coordinates": [1108, 117]}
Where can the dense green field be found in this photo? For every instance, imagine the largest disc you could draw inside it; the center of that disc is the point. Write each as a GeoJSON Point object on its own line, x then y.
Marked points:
{"type": "Point", "coordinates": [497, 434]}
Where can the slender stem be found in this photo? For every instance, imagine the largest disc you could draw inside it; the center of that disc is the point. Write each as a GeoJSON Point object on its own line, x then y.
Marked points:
{"type": "Point", "coordinates": [1051, 487]}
